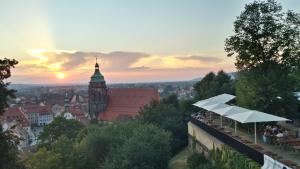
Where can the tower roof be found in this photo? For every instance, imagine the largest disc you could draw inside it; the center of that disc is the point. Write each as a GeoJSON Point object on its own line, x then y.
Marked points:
{"type": "Point", "coordinates": [97, 77]}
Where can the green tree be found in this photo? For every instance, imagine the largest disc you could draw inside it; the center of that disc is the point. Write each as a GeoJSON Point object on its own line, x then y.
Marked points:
{"type": "Point", "coordinates": [8, 150]}
{"type": "Point", "coordinates": [5, 73]}
{"type": "Point", "coordinates": [271, 92]}
{"type": "Point", "coordinates": [59, 127]}
{"type": "Point", "coordinates": [296, 77]}
{"type": "Point", "coordinates": [172, 100]}
{"type": "Point", "coordinates": [44, 159]}
{"type": "Point", "coordinates": [96, 142]}
{"type": "Point", "coordinates": [266, 47]}
{"type": "Point", "coordinates": [226, 158]}
{"type": "Point", "coordinates": [197, 160]}
{"type": "Point", "coordinates": [169, 118]}
{"type": "Point", "coordinates": [95, 147]}
{"type": "Point", "coordinates": [264, 34]}
{"type": "Point", "coordinates": [148, 148]}
{"type": "Point", "coordinates": [187, 109]}
{"type": "Point", "coordinates": [64, 147]}
{"type": "Point", "coordinates": [8, 142]}
{"type": "Point", "coordinates": [212, 85]}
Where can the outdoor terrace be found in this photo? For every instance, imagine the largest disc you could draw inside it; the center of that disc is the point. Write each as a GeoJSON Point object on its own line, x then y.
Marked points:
{"type": "Point", "coordinates": [286, 151]}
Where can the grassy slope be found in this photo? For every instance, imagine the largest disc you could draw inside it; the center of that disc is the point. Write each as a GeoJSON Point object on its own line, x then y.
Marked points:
{"type": "Point", "coordinates": [179, 161]}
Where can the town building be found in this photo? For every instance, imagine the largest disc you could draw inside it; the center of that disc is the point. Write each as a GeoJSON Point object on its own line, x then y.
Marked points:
{"type": "Point", "coordinates": [110, 104]}
{"type": "Point", "coordinates": [73, 110]}
{"type": "Point", "coordinates": [16, 114]}
{"type": "Point", "coordinates": [39, 114]}
{"type": "Point", "coordinates": [16, 120]}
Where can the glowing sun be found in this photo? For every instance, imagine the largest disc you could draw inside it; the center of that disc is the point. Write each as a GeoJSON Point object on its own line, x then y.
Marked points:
{"type": "Point", "coordinates": [60, 75]}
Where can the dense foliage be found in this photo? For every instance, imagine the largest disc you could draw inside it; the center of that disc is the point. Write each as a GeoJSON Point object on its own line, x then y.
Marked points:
{"type": "Point", "coordinates": [264, 35]}
{"type": "Point", "coordinates": [8, 150]}
{"type": "Point", "coordinates": [270, 92]}
{"type": "Point", "coordinates": [214, 84]}
{"type": "Point", "coordinates": [148, 148]}
{"type": "Point", "coordinates": [266, 45]}
{"type": "Point", "coordinates": [59, 127]}
{"type": "Point", "coordinates": [124, 145]}
{"type": "Point", "coordinates": [296, 77]}
{"type": "Point", "coordinates": [167, 114]}
{"type": "Point", "coordinates": [198, 161]}
{"type": "Point", "coordinates": [223, 158]}
{"type": "Point", "coordinates": [8, 142]}
{"type": "Point", "coordinates": [226, 158]}
{"type": "Point", "coordinates": [5, 72]}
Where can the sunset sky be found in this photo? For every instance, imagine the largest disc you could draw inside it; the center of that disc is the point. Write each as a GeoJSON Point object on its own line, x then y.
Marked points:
{"type": "Point", "coordinates": [56, 41]}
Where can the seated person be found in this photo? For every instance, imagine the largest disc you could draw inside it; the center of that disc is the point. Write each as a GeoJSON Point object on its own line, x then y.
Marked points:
{"type": "Point", "coordinates": [275, 130]}
{"type": "Point", "coordinates": [285, 133]}
{"type": "Point", "coordinates": [279, 136]}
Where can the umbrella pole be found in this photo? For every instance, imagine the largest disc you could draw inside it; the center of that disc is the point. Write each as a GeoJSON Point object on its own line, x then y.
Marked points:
{"type": "Point", "coordinates": [255, 139]}
{"type": "Point", "coordinates": [235, 127]}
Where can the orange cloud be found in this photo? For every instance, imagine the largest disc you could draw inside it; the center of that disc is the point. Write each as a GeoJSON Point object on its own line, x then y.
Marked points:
{"type": "Point", "coordinates": [61, 66]}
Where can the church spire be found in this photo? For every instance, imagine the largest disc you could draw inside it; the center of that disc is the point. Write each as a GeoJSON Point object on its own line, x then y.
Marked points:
{"type": "Point", "coordinates": [96, 65]}
{"type": "Point", "coordinates": [97, 76]}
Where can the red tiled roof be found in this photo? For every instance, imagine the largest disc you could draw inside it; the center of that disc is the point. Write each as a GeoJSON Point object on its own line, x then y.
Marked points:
{"type": "Point", "coordinates": [126, 102]}
{"type": "Point", "coordinates": [79, 114]}
{"type": "Point", "coordinates": [15, 113]}
{"type": "Point", "coordinates": [38, 109]}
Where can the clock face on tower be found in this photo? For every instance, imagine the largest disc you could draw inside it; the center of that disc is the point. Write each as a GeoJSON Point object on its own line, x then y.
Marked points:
{"type": "Point", "coordinates": [97, 94]}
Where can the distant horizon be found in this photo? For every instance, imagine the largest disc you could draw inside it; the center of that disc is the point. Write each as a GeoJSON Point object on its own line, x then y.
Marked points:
{"type": "Point", "coordinates": [72, 84]}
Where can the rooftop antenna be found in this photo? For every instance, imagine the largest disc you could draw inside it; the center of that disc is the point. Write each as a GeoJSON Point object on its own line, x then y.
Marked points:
{"type": "Point", "coordinates": [96, 58]}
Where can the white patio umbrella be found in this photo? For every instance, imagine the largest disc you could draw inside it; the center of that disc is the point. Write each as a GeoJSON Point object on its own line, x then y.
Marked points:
{"type": "Point", "coordinates": [213, 101]}
{"type": "Point", "coordinates": [211, 107]}
{"type": "Point", "coordinates": [201, 103]}
{"type": "Point", "coordinates": [230, 110]}
{"type": "Point", "coordinates": [255, 117]}
{"type": "Point", "coordinates": [223, 98]}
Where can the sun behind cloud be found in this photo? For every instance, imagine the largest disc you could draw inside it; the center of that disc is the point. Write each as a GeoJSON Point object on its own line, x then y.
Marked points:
{"type": "Point", "coordinates": [60, 75]}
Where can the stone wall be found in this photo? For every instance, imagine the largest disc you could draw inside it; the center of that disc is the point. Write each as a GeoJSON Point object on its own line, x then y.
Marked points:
{"type": "Point", "coordinates": [204, 141]}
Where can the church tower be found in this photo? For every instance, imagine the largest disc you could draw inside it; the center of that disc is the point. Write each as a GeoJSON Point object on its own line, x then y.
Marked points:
{"type": "Point", "coordinates": [97, 93]}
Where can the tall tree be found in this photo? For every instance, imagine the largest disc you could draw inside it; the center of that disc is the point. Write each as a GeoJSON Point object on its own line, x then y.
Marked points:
{"type": "Point", "coordinates": [165, 115]}
{"type": "Point", "coordinates": [57, 128]}
{"type": "Point", "coordinates": [44, 159]}
{"type": "Point", "coordinates": [212, 85]}
{"type": "Point", "coordinates": [296, 77]}
{"type": "Point", "coordinates": [5, 73]}
{"type": "Point", "coordinates": [264, 35]}
{"type": "Point", "coordinates": [8, 142]}
{"type": "Point", "coordinates": [266, 47]}
{"type": "Point", "coordinates": [148, 148]}
{"type": "Point", "coordinates": [271, 92]}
